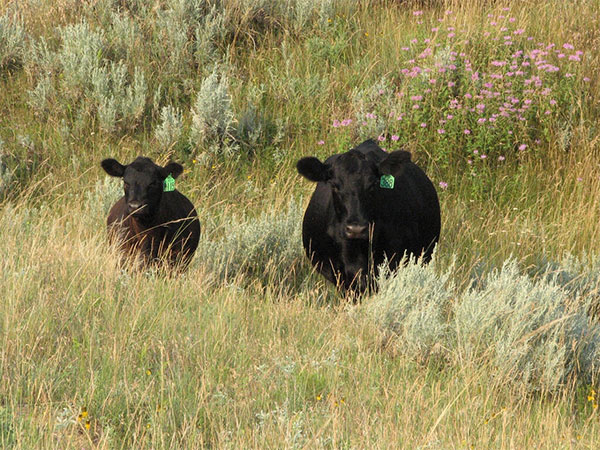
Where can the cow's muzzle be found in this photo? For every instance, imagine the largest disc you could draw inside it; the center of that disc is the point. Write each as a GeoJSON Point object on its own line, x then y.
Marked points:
{"type": "Point", "coordinates": [355, 231]}
{"type": "Point", "coordinates": [136, 208]}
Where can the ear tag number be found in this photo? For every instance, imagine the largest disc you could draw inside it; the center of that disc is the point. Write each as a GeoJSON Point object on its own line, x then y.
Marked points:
{"type": "Point", "coordinates": [386, 182]}
{"type": "Point", "coordinates": [169, 184]}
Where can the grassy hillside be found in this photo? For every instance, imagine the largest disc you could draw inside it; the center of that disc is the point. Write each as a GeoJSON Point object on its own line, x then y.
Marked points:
{"type": "Point", "coordinates": [494, 345]}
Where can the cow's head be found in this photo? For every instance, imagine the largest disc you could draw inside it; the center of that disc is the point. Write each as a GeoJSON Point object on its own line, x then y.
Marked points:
{"type": "Point", "coordinates": [355, 183]}
{"type": "Point", "coordinates": [354, 180]}
{"type": "Point", "coordinates": [142, 183]}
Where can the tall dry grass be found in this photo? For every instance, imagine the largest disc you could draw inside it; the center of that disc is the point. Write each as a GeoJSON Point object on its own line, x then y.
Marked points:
{"type": "Point", "coordinates": [268, 355]}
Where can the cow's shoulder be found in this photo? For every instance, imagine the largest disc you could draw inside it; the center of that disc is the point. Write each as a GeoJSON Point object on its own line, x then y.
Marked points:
{"type": "Point", "coordinates": [175, 204]}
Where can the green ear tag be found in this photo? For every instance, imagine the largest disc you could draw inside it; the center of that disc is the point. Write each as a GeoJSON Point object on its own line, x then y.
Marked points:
{"type": "Point", "coordinates": [386, 182]}
{"type": "Point", "coordinates": [169, 184]}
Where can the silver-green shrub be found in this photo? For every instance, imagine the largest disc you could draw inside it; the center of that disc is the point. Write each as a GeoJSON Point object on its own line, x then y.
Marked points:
{"type": "Point", "coordinates": [210, 31]}
{"type": "Point", "coordinates": [115, 97]}
{"type": "Point", "coordinates": [292, 15]}
{"type": "Point", "coordinates": [212, 115]}
{"type": "Point", "coordinates": [80, 55]}
{"type": "Point", "coordinates": [6, 174]}
{"type": "Point", "coordinates": [124, 35]}
{"type": "Point", "coordinates": [40, 96]}
{"type": "Point", "coordinates": [532, 335]}
{"type": "Point", "coordinates": [170, 128]}
{"type": "Point", "coordinates": [99, 199]}
{"type": "Point", "coordinates": [305, 12]}
{"type": "Point", "coordinates": [367, 104]}
{"type": "Point", "coordinates": [252, 126]}
{"type": "Point", "coordinates": [170, 41]}
{"type": "Point", "coordinates": [413, 304]}
{"type": "Point", "coordinates": [40, 60]}
{"type": "Point", "coordinates": [12, 41]}
{"type": "Point", "coordinates": [267, 247]}
{"type": "Point", "coordinates": [81, 79]}
{"type": "Point", "coordinates": [529, 334]}
{"type": "Point", "coordinates": [580, 276]}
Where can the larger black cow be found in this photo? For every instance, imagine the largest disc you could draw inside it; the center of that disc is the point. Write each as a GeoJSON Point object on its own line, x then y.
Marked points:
{"type": "Point", "coordinates": [153, 219]}
{"type": "Point", "coordinates": [368, 205]}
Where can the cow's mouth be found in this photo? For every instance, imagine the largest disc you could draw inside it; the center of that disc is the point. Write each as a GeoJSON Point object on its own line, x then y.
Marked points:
{"type": "Point", "coordinates": [138, 210]}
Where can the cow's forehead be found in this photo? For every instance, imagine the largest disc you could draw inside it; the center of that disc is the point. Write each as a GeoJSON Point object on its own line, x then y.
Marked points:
{"type": "Point", "coordinates": [142, 169]}
{"type": "Point", "coordinates": [353, 164]}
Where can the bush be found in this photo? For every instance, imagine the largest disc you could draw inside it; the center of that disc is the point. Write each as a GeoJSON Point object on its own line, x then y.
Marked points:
{"type": "Point", "coordinates": [169, 130]}
{"type": "Point", "coordinates": [530, 335]}
{"type": "Point", "coordinates": [212, 116]}
{"type": "Point", "coordinates": [267, 248]}
{"type": "Point", "coordinates": [6, 175]}
{"type": "Point", "coordinates": [80, 80]}
{"type": "Point", "coordinates": [100, 199]}
{"type": "Point", "coordinates": [412, 303]}
{"type": "Point", "coordinates": [12, 42]}
{"type": "Point", "coordinates": [531, 332]}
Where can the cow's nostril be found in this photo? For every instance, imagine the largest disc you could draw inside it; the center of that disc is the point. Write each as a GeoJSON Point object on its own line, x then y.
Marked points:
{"type": "Point", "coordinates": [133, 206]}
{"type": "Point", "coordinates": [356, 231]}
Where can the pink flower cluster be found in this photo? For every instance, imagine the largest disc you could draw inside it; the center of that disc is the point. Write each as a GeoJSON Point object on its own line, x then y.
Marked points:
{"type": "Point", "coordinates": [495, 104]}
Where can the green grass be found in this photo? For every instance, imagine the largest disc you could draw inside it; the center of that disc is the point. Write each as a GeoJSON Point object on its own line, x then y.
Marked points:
{"type": "Point", "coordinates": [269, 355]}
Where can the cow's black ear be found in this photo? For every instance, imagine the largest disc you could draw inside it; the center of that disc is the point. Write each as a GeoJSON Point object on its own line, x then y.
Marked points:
{"type": "Point", "coordinates": [393, 161]}
{"type": "Point", "coordinates": [172, 168]}
{"type": "Point", "coordinates": [312, 169]}
{"type": "Point", "coordinates": [113, 167]}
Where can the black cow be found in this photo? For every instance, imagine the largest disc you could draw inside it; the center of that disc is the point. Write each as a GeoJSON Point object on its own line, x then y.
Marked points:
{"type": "Point", "coordinates": [359, 215]}
{"type": "Point", "coordinates": [152, 219]}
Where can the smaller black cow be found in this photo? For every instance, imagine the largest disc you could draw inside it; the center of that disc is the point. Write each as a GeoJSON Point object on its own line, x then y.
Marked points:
{"type": "Point", "coordinates": [368, 205]}
{"type": "Point", "coordinates": [152, 219]}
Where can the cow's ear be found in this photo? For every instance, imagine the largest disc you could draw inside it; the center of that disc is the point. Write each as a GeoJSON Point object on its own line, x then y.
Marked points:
{"type": "Point", "coordinates": [113, 167]}
{"type": "Point", "coordinates": [172, 168]}
{"type": "Point", "coordinates": [312, 169]}
{"type": "Point", "coordinates": [393, 161]}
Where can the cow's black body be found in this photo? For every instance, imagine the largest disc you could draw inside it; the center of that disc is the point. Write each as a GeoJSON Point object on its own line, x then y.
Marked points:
{"type": "Point", "coordinates": [158, 226]}
{"type": "Point", "coordinates": [352, 224]}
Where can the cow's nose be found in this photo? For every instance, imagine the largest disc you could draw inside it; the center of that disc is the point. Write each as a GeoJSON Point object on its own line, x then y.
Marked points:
{"type": "Point", "coordinates": [133, 206]}
{"type": "Point", "coordinates": [355, 231]}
